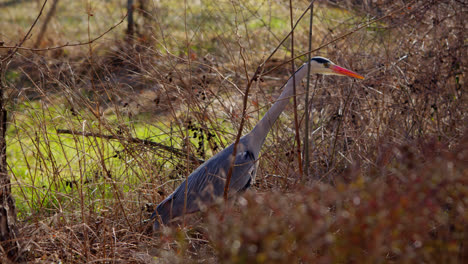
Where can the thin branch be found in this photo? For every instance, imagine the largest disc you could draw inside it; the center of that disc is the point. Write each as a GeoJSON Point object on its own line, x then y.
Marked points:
{"type": "Point", "coordinates": [242, 122]}
{"type": "Point", "coordinates": [66, 45]}
{"type": "Point", "coordinates": [15, 48]}
{"type": "Point", "coordinates": [306, 132]}
{"type": "Point", "coordinates": [245, 100]}
{"type": "Point", "coordinates": [340, 121]}
{"type": "Point", "coordinates": [337, 38]}
{"type": "Point", "coordinates": [296, 122]}
{"type": "Point", "coordinates": [175, 151]}
{"type": "Point", "coordinates": [284, 40]}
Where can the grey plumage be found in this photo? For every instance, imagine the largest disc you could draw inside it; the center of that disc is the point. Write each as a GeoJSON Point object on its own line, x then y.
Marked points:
{"type": "Point", "coordinates": [207, 182]}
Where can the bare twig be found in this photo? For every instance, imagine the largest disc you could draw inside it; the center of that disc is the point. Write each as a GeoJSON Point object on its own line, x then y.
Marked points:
{"type": "Point", "coordinates": [306, 110]}
{"type": "Point", "coordinates": [8, 229]}
{"type": "Point", "coordinates": [245, 99]}
{"type": "Point", "coordinates": [15, 48]}
{"type": "Point", "coordinates": [282, 42]}
{"type": "Point", "coordinates": [66, 45]}
{"type": "Point", "coordinates": [340, 37]}
{"type": "Point", "coordinates": [242, 121]}
{"type": "Point", "coordinates": [146, 142]}
{"type": "Point", "coordinates": [296, 122]}
{"type": "Point", "coordinates": [340, 121]}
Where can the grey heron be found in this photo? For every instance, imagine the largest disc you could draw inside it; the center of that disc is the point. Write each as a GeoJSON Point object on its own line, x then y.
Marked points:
{"type": "Point", "coordinates": [207, 182]}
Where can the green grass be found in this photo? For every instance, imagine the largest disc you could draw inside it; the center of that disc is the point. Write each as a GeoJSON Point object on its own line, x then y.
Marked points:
{"type": "Point", "coordinates": [206, 24]}
{"type": "Point", "coordinates": [49, 169]}
{"type": "Point", "coordinates": [45, 164]}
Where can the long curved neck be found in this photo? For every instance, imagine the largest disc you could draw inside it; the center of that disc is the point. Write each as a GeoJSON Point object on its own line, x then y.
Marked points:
{"type": "Point", "coordinates": [260, 131]}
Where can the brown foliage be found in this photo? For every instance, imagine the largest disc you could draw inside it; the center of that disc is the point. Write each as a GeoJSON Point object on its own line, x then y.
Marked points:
{"type": "Point", "coordinates": [389, 161]}
{"type": "Point", "coordinates": [412, 209]}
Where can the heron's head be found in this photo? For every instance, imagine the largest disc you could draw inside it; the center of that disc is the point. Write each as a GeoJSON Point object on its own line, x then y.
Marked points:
{"type": "Point", "coordinates": [325, 66]}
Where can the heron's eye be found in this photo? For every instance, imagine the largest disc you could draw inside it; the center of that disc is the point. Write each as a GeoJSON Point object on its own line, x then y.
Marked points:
{"type": "Point", "coordinates": [326, 64]}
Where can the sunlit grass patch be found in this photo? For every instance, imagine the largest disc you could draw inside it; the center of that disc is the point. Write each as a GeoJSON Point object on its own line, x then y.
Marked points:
{"type": "Point", "coordinates": [51, 170]}
{"type": "Point", "coordinates": [46, 164]}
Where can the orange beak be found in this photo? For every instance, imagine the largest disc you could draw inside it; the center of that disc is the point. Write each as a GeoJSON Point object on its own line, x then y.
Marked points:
{"type": "Point", "coordinates": [342, 71]}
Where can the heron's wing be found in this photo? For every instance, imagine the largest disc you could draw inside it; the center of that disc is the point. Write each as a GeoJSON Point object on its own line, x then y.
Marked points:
{"type": "Point", "coordinates": [210, 180]}
{"type": "Point", "coordinates": [244, 170]}
{"type": "Point", "coordinates": [207, 182]}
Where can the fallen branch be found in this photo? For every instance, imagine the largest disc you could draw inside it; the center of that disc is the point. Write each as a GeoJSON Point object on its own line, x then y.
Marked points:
{"type": "Point", "coordinates": [145, 142]}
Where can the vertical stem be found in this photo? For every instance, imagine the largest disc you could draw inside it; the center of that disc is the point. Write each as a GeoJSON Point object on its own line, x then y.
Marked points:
{"type": "Point", "coordinates": [246, 96]}
{"type": "Point", "coordinates": [187, 135]}
{"type": "Point", "coordinates": [8, 231]}
{"type": "Point", "coordinates": [306, 114]}
{"type": "Point", "coordinates": [130, 25]}
{"type": "Point", "coordinates": [317, 79]}
{"type": "Point", "coordinates": [341, 120]}
{"type": "Point", "coordinates": [296, 121]}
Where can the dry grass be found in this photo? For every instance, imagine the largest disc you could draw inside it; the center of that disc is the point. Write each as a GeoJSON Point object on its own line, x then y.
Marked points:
{"type": "Point", "coordinates": [388, 171]}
